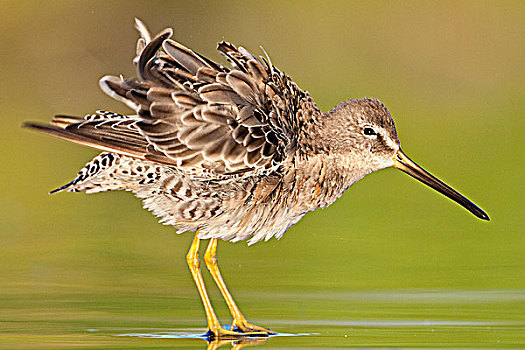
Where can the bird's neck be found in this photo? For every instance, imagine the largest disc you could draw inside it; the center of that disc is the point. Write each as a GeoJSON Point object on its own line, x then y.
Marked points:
{"type": "Point", "coordinates": [322, 168]}
{"type": "Point", "coordinates": [322, 178]}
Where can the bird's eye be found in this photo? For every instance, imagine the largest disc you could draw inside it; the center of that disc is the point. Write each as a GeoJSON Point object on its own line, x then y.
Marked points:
{"type": "Point", "coordinates": [369, 131]}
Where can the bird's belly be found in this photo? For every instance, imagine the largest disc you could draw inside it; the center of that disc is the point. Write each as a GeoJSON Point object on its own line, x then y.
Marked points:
{"type": "Point", "coordinates": [251, 208]}
{"type": "Point", "coordinates": [258, 222]}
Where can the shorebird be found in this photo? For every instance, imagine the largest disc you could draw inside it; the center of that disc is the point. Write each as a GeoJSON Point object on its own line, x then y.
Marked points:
{"type": "Point", "coordinates": [239, 153]}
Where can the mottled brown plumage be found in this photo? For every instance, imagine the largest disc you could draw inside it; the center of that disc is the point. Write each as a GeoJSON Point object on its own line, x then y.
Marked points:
{"type": "Point", "coordinates": [232, 153]}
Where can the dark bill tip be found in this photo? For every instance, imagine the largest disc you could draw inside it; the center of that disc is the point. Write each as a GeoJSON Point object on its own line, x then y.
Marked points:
{"type": "Point", "coordinates": [402, 162]}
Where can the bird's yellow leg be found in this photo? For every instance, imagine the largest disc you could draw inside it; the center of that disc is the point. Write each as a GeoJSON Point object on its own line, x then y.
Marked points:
{"type": "Point", "coordinates": [239, 321]}
{"type": "Point", "coordinates": [214, 328]}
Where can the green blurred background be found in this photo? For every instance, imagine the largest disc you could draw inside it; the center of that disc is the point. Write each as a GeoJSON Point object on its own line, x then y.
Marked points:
{"type": "Point", "coordinates": [391, 263]}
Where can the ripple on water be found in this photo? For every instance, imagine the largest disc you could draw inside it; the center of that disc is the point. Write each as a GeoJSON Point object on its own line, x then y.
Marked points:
{"type": "Point", "coordinates": [194, 334]}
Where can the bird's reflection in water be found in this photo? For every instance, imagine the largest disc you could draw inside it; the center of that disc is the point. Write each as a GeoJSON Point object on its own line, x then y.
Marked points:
{"type": "Point", "coordinates": [236, 344]}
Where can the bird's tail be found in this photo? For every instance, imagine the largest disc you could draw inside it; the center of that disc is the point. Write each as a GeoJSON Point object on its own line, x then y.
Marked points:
{"type": "Point", "coordinates": [95, 176]}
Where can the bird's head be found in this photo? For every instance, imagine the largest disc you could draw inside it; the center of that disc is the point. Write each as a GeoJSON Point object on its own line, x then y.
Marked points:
{"type": "Point", "coordinates": [363, 133]}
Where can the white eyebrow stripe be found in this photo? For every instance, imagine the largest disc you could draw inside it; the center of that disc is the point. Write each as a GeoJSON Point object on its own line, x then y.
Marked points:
{"type": "Point", "coordinates": [389, 142]}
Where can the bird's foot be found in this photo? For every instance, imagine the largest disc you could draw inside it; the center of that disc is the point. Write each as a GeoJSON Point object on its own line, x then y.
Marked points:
{"type": "Point", "coordinates": [236, 333]}
{"type": "Point", "coordinates": [220, 333]}
{"type": "Point", "coordinates": [244, 326]}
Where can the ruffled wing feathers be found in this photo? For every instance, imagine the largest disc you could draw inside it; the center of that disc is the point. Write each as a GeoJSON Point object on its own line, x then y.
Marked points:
{"type": "Point", "coordinates": [193, 113]}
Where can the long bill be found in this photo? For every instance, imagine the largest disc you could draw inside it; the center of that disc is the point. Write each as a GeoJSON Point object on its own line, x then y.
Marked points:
{"type": "Point", "coordinates": [402, 162]}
